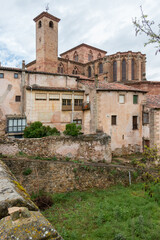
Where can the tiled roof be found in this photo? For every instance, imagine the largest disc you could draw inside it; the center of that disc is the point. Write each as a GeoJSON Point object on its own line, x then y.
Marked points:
{"type": "Point", "coordinates": [11, 69]}
{"type": "Point", "coordinates": [43, 88]}
{"type": "Point", "coordinates": [153, 101]}
{"type": "Point", "coordinates": [103, 86]}
{"type": "Point", "coordinates": [83, 45]}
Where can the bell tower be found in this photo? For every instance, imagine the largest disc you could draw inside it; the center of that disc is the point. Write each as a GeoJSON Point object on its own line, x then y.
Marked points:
{"type": "Point", "coordinates": [46, 42]}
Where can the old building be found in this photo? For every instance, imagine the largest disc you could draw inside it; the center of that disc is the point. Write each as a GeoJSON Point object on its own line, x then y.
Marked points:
{"type": "Point", "coordinates": [84, 85]}
{"type": "Point", "coordinates": [82, 59]}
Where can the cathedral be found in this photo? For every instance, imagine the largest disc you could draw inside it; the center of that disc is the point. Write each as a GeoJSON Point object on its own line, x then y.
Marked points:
{"type": "Point", "coordinates": [83, 59]}
{"type": "Point", "coordinates": [100, 92]}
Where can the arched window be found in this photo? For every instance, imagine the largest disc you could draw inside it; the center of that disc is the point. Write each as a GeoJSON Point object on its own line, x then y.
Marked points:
{"type": "Point", "coordinates": [101, 68]}
{"type": "Point", "coordinates": [66, 57]}
{"type": "Point", "coordinates": [61, 68]}
{"type": "Point", "coordinates": [99, 55]}
{"type": "Point", "coordinates": [89, 71]}
{"type": "Point", "coordinates": [75, 56]}
{"type": "Point", "coordinates": [90, 56]}
{"type": "Point", "coordinates": [114, 71]}
{"type": "Point", "coordinates": [133, 64]}
{"type": "Point", "coordinates": [75, 70]}
{"type": "Point", "coordinates": [39, 24]}
{"type": "Point", "coordinates": [124, 70]}
{"type": "Point", "coordinates": [51, 24]}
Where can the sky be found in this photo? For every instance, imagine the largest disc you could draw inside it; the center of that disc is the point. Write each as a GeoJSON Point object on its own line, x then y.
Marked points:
{"type": "Point", "coordinates": [103, 24]}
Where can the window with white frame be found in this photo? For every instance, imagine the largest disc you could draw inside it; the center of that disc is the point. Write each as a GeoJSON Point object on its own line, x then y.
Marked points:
{"type": "Point", "coordinates": [16, 125]}
{"type": "Point", "coordinates": [121, 98]}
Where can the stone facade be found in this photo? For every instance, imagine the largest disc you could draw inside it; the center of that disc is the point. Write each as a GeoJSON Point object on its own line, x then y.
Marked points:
{"type": "Point", "coordinates": [67, 176]}
{"type": "Point", "coordinates": [94, 148]}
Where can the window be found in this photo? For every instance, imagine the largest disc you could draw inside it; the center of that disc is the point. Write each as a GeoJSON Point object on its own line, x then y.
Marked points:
{"type": "Point", "coordinates": [75, 70]}
{"type": "Point", "coordinates": [99, 55]}
{"type": "Point", "coordinates": [78, 102]}
{"type": "Point", "coordinates": [39, 24]}
{"type": "Point", "coordinates": [66, 57]}
{"type": "Point", "coordinates": [66, 102]}
{"type": "Point", "coordinates": [75, 56]}
{"type": "Point", "coordinates": [113, 120]}
{"type": "Point", "coordinates": [135, 99]}
{"type": "Point", "coordinates": [133, 69]}
{"type": "Point", "coordinates": [1, 75]}
{"type": "Point", "coordinates": [135, 122]}
{"type": "Point", "coordinates": [114, 71]}
{"type": "Point", "coordinates": [89, 71]}
{"type": "Point", "coordinates": [90, 56]}
{"type": "Point", "coordinates": [77, 121]}
{"type": "Point", "coordinates": [15, 75]}
{"type": "Point", "coordinates": [87, 100]}
{"type": "Point", "coordinates": [121, 98]}
{"type": "Point", "coordinates": [61, 68]}
{"type": "Point", "coordinates": [123, 70]}
{"type": "Point", "coordinates": [16, 125]}
{"type": "Point", "coordinates": [41, 96]}
{"type": "Point", "coordinates": [51, 24]}
{"type": "Point", "coordinates": [100, 68]}
{"type": "Point", "coordinates": [145, 117]}
{"type": "Point", "coordinates": [17, 98]}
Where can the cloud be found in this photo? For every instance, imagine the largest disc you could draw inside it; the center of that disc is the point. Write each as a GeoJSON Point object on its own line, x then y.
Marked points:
{"type": "Point", "coordinates": [103, 24]}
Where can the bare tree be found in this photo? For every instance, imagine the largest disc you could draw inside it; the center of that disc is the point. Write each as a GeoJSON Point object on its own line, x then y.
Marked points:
{"type": "Point", "coordinates": [144, 25]}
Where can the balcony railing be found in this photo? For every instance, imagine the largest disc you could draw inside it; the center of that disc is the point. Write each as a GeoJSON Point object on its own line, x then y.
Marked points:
{"type": "Point", "coordinates": [86, 106]}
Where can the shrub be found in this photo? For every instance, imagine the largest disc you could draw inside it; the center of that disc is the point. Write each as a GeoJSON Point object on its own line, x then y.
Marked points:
{"type": "Point", "coordinates": [150, 154]}
{"type": "Point", "coordinates": [72, 129]}
{"type": "Point", "coordinates": [37, 130]}
{"type": "Point", "coordinates": [27, 172]}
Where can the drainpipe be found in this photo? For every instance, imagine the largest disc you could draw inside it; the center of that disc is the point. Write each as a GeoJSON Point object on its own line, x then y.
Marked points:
{"type": "Point", "coordinates": [72, 106]}
{"type": "Point", "coordinates": [31, 105]}
{"type": "Point", "coordinates": [23, 88]}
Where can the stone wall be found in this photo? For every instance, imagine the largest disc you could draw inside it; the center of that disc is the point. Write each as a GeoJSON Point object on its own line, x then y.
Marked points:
{"type": "Point", "coordinates": [19, 216]}
{"type": "Point", "coordinates": [52, 176]}
{"type": "Point", "coordinates": [88, 148]}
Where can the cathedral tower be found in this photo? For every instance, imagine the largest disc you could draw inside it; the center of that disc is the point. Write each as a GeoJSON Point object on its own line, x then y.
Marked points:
{"type": "Point", "coordinates": [46, 42]}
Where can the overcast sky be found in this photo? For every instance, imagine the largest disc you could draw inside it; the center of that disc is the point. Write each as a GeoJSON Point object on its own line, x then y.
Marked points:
{"type": "Point", "coordinates": [101, 23]}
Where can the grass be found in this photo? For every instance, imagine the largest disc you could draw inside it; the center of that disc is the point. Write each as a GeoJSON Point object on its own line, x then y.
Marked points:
{"type": "Point", "coordinates": [118, 213]}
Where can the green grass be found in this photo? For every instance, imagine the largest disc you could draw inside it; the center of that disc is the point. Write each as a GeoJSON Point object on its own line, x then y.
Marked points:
{"type": "Point", "coordinates": [118, 213]}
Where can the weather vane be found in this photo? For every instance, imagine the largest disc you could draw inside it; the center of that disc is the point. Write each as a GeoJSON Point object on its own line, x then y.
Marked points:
{"type": "Point", "coordinates": [47, 7]}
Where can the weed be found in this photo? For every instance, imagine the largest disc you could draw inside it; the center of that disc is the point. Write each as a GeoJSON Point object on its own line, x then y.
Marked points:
{"type": "Point", "coordinates": [67, 159]}
{"type": "Point", "coordinates": [27, 172]}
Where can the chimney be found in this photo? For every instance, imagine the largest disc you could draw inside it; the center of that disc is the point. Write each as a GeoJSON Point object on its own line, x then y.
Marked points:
{"type": "Point", "coordinates": [96, 81]}
{"type": "Point", "coordinates": [23, 65]}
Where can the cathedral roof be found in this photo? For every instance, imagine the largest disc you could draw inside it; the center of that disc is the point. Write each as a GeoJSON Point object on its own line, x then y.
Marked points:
{"type": "Point", "coordinates": [153, 101]}
{"type": "Point", "coordinates": [104, 86]}
{"type": "Point", "coordinates": [83, 45]}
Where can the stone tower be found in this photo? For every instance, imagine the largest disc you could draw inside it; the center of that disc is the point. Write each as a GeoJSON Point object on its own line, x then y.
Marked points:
{"type": "Point", "coordinates": [46, 42]}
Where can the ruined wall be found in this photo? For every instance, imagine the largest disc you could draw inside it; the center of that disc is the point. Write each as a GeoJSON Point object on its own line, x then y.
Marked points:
{"type": "Point", "coordinates": [53, 176]}
{"type": "Point", "coordinates": [19, 216]}
{"type": "Point", "coordinates": [93, 148]}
